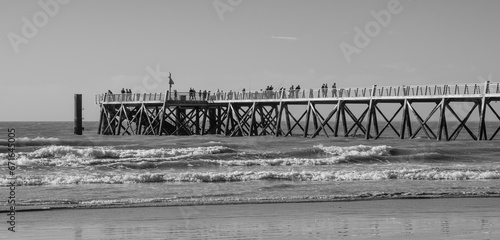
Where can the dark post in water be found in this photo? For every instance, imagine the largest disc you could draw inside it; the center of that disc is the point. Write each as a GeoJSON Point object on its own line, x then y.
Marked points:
{"type": "Point", "coordinates": [78, 114]}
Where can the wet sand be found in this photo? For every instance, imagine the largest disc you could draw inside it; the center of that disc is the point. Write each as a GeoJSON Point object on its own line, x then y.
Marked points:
{"type": "Point", "coordinates": [452, 218]}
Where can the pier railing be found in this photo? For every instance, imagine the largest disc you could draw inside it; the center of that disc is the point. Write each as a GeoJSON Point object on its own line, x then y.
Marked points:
{"type": "Point", "coordinates": [473, 89]}
{"type": "Point", "coordinates": [470, 89]}
{"type": "Point", "coordinates": [151, 97]}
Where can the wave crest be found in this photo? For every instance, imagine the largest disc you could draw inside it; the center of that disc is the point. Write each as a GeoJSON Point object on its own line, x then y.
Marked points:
{"type": "Point", "coordinates": [239, 176]}
{"type": "Point", "coordinates": [74, 156]}
{"type": "Point", "coordinates": [359, 150]}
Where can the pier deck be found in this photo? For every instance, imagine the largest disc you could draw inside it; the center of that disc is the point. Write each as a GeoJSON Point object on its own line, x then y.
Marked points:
{"type": "Point", "coordinates": [438, 112]}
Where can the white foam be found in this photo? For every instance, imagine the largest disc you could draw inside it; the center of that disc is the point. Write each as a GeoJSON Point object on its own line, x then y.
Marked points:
{"type": "Point", "coordinates": [280, 162]}
{"type": "Point", "coordinates": [359, 150]}
{"type": "Point", "coordinates": [38, 139]}
{"type": "Point", "coordinates": [237, 176]}
{"type": "Point", "coordinates": [74, 156]}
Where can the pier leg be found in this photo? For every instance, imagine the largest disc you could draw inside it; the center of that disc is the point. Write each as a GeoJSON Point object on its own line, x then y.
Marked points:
{"type": "Point", "coordinates": [219, 120]}
{"type": "Point", "coordinates": [201, 129]}
{"type": "Point", "coordinates": [344, 121]}
{"type": "Point", "coordinates": [287, 113]}
{"type": "Point", "coordinates": [370, 117]}
{"type": "Point", "coordinates": [212, 117]}
{"type": "Point", "coordinates": [228, 119]}
{"type": "Point", "coordinates": [482, 120]}
{"type": "Point", "coordinates": [308, 116]}
{"type": "Point", "coordinates": [253, 127]}
{"type": "Point", "coordinates": [139, 127]}
{"type": "Point", "coordinates": [162, 116]}
{"type": "Point", "coordinates": [197, 121]}
{"type": "Point", "coordinates": [278, 119]}
{"type": "Point", "coordinates": [404, 119]}
{"type": "Point", "coordinates": [442, 120]}
{"type": "Point", "coordinates": [120, 119]}
{"type": "Point", "coordinates": [315, 118]}
{"type": "Point", "coordinates": [337, 118]}
{"type": "Point", "coordinates": [178, 120]}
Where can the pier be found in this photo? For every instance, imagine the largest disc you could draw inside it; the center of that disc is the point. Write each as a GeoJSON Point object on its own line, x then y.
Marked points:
{"type": "Point", "coordinates": [440, 112]}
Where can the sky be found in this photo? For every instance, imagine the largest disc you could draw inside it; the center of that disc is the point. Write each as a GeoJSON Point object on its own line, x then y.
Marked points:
{"type": "Point", "coordinates": [53, 49]}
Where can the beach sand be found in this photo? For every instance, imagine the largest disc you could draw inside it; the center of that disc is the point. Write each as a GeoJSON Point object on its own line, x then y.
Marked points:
{"type": "Point", "coordinates": [452, 218]}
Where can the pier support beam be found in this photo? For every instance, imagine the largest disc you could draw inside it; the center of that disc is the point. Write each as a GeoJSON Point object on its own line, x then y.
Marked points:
{"type": "Point", "coordinates": [288, 117]}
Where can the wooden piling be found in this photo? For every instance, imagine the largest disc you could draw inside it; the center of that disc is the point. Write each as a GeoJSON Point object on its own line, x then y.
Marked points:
{"type": "Point", "coordinates": [78, 115]}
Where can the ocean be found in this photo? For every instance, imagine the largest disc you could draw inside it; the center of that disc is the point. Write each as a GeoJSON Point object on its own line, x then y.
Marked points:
{"type": "Point", "coordinates": [57, 169]}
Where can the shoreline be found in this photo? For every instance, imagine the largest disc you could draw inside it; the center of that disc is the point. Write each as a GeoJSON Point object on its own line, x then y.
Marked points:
{"type": "Point", "coordinates": [235, 202]}
{"type": "Point", "coordinates": [436, 218]}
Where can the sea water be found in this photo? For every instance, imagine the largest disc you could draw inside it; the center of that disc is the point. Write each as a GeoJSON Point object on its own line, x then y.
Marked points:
{"type": "Point", "coordinates": [57, 169]}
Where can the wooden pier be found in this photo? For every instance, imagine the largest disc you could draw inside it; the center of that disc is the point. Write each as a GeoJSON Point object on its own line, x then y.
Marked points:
{"type": "Point", "coordinates": [438, 112]}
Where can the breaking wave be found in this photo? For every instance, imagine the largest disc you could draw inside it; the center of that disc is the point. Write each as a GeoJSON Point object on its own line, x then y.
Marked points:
{"type": "Point", "coordinates": [38, 141]}
{"type": "Point", "coordinates": [239, 176]}
{"type": "Point", "coordinates": [74, 156]}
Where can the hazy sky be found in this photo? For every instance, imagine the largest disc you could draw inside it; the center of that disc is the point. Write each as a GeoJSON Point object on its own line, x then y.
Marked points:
{"type": "Point", "coordinates": [51, 50]}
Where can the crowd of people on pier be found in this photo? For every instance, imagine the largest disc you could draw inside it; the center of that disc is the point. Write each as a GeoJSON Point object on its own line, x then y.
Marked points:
{"type": "Point", "coordinates": [268, 93]}
{"type": "Point", "coordinates": [202, 95]}
{"type": "Point", "coordinates": [126, 95]}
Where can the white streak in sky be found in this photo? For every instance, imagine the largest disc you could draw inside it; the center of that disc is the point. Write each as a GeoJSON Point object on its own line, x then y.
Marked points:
{"type": "Point", "coordinates": [285, 38]}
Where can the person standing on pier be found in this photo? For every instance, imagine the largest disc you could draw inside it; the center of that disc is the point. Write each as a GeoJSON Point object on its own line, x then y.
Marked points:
{"type": "Point", "coordinates": [123, 94]}
{"type": "Point", "coordinates": [129, 94]}
{"type": "Point", "coordinates": [334, 90]}
{"type": "Point", "coordinates": [111, 97]}
{"type": "Point", "coordinates": [192, 94]}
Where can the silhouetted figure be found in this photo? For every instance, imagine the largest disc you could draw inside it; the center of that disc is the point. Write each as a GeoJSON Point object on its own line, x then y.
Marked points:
{"type": "Point", "coordinates": [334, 90]}
{"type": "Point", "coordinates": [192, 94]}
{"type": "Point", "coordinates": [110, 96]}
{"type": "Point", "coordinates": [129, 94]}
